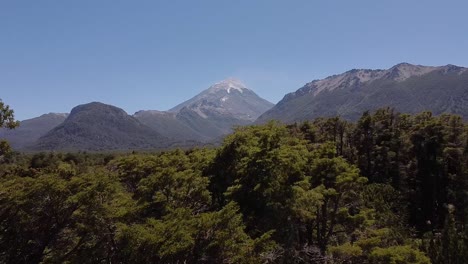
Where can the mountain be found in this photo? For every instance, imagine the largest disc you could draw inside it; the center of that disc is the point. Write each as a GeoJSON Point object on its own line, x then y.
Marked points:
{"type": "Point", "coordinates": [32, 129]}
{"type": "Point", "coordinates": [228, 97]}
{"type": "Point", "coordinates": [168, 125]}
{"type": "Point", "coordinates": [97, 127]}
{"type": "Point", "coordinates": [406, 87]}
{"type": "Point", "coordinates": [210, 114]}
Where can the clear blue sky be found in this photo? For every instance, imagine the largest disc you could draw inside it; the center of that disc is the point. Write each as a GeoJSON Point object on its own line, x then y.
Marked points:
{"type": "Point", "coordinates": [155, 54]}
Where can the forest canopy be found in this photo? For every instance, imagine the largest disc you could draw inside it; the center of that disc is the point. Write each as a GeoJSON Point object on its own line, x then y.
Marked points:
{"type": "Point", "coordinates": [390, 188]}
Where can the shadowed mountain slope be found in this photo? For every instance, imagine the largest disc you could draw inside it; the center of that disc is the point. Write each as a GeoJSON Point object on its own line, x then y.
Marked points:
{"type": "Point", "coordinates": [97, 127]}
{"type": "Point", "coordinates": [406, 87]}
{"type": "Point", "coordinates": [32, 129]}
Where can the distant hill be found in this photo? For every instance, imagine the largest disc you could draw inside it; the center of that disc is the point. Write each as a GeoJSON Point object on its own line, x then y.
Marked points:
{"type": "Point", "coordinates": [97, 127]}
{"type": "Point", "coordinates": [406, 87]}
{"type": "Point", "coordinates": [32, 129]}
{"type": "Point", "coordinates": [210, 114]}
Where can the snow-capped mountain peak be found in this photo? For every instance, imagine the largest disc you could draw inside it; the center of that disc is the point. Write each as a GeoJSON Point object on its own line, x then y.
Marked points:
{"type": "Point", "coordinates": [229, 85]}
{"type": "Point", "coordinates": [229, 98]}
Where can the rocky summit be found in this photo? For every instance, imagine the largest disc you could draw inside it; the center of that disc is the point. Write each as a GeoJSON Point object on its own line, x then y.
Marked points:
{"type": "Point", "coordinates": [407, 88]}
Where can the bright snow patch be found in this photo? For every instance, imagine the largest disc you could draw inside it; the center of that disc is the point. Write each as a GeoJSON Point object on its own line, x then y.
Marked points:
{"type": "Point", "coordinates": [232, 86]}
{"type": "Point", "coordinates": [229, 85]}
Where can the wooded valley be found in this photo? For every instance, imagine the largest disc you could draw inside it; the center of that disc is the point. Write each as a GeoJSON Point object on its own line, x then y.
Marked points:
{"type": "Point", "coordinates": [389, 188]}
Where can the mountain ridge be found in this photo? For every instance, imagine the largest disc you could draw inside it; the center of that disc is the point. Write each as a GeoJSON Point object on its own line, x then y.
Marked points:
{"type": "Point", "coordinates": [406, 87]}
{"type": "Point", "coordinates": [212, 113]}
{"type": "Point", "coordinates": [97, 126]}
{"type": "Point", "coordinates": [32, 129]}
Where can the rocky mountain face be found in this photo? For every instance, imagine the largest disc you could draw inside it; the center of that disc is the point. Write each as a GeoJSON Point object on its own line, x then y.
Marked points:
{"type": "Point", "coordinates": [32, 129]}
{"type": "Point", "coordinates": [406, 87]}
{"type": "Point", "coordinates": [97, 127]}
{"type": "Point", "coordinates": [210, 114]}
